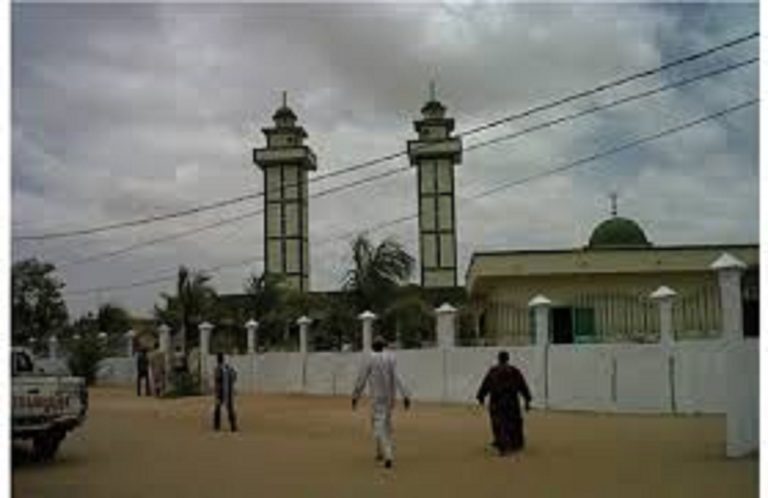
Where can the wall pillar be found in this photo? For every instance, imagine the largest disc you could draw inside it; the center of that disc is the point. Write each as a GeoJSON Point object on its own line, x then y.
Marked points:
{"type": "Point", "coordinates": [446, 326]}
{"type": "Point", "coordinates": [129, 336]}
{"type": "Point", "coordinates": [729, 270]}
{"type": "Point", "coordinates": [252, 327]}
{"type": "Point", "coordinates": [164, 345]}
{"type": "Point", "coordinates": [205, 329]}
{"type": "Point", "coordinates": [53, 347]}
{"type": "Point", "coordinates": [367, 318]}
{"type": "Point", "coordinates": [540, 305]}
{"type": "Point", "coordinates": [742, 421]}
{"type": "Point", "coordinates": [303, 323]}
{"type": "Point", "coordinates": [664, 296]}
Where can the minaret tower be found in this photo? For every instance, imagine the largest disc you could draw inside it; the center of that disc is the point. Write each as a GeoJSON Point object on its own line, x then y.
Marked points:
{"type": "Point", "coordinates": [286, 163]}
{"type": "Point", "coordinates": [435, 154]}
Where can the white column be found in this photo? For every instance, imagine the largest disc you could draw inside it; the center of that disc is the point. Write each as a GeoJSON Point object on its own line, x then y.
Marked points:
{"type": "Point", "coordinates": [367, 317]}
{"type": "Point", "coordinates": [129, 336]}
{"type": "Point", "coordinates": [164, 343]}
{"type": "Point", "coordinates": [102, 338]}
{"type": "Point", "coordinates": [541, 305]}
{"type": "Point", "coordinates": [53, 347]}
{"type": "Point", "coordinates": [729, 270]}
{"type": "Point", "coordinates": [303, 323]}
{"type": "Point", "coordinates": [205, 329]}
{"type": "Point", "coordinates": [164, 338]}
{"type": "Point", "coordinates": [664, 296]}
{"type": "Point", "coordinates": [446, 326]}
{"type": "Point", "coordinates": [252, 327]}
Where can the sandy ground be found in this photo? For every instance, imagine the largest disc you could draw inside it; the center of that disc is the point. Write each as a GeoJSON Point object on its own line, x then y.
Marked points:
{"type": "Point", "coordinates": [292, 446]}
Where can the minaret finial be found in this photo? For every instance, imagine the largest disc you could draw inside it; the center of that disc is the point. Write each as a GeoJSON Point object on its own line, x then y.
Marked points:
{"type": "Point", "coordinates": [285, 98]}
{"type": "Point", "coordinates": [432, 91]}
{"type": "Point", "coordinates": [614, 197]}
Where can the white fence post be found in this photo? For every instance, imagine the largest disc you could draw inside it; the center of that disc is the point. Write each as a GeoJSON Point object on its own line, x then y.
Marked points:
{"type": "Point", "coordinates": [53, 347]}
{"type": "Point", "coordinates": [367, 317]}
{"type": "Point", "coordinates": [446, 326]}
{"type": "Point", "coordinates": [129, 343]}
{"type": "Point", "coordinates": [205, 329]}
{"type": "Point", "coordinates": [742, 392]}
{"type": "Point", "coordinates": [205, 338]}
{"type": "Point", "coordinates": [303, 323]}
{"type": "Point", "coordinates": [252, 327]}
{"type": "Point", "coordinates": [729, 270]}
{"type": "Point", "coordinates": [164, 343]}
{"type": "Point", "coordinates": [664, 297]}
{"type": "Point", "coordinates": [541, 305]}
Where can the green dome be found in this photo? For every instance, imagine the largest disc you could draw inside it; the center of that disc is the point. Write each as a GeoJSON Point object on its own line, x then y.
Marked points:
{"type": "Point", "coordinates": [618, 232]}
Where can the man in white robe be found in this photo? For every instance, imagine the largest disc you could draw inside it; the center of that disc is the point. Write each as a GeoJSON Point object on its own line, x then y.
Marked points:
{"type": "Point", "coordinates": [380, 373]}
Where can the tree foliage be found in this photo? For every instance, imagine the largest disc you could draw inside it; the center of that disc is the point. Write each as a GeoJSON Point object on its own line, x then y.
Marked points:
{"type": "Point", "coordinates": [37, 307]}
{"type": "Point", "coordinates": [195, 301]}
{"type": "Point", "coordinates": [377, 273]}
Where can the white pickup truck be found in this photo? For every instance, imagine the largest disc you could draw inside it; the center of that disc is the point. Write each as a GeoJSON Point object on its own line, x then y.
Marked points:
{"type": "Point", "coordinates": [44, 407]}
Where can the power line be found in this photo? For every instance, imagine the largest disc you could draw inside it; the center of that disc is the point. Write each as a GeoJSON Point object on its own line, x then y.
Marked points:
{"type": "Point", "coordinates": [525, 131]}
{"type": "Point", "coordinates": [388, 157]}
{"type": "Point", "coordinates": [485, 193]}
{"type": "Point", "coordinates": [220, 223]}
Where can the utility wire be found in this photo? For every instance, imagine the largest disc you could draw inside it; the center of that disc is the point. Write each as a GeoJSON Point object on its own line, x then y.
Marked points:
{"type": "Point", "coordinates": [249, 214]}
{"type": "Point", "coordinates": [485, 193]}
{"type": "Point", "coordinates": [513, 117]}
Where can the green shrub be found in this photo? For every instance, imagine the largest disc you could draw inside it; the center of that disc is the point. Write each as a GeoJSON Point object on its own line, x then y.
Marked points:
{"type": "Point", "coordinates": [85, 355]}
{"type": "Point", "coordinates": [184, 384]}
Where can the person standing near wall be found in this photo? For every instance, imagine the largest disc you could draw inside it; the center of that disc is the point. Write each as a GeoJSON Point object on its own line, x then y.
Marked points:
{"type": "Point", "coordinates": [224, 392]}
{"type": "Point", "coordinates": [380, 373]}
{"type": "Point", "coordinates": [505, 384]}
{"type": "Point", "coordinates": [157, 372]}
{"type": "Point", "coordinates": [142, 372]}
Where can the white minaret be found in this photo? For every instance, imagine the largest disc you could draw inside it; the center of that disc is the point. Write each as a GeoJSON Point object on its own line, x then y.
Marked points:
{"type": "Point", "coordinates": [435, 154]}
{"type": "Point", "coordinates": [286, 163]}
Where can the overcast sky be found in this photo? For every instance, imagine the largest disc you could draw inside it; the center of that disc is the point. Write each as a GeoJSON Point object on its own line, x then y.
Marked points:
{"type": "Point", "coordinates": [125, 111]}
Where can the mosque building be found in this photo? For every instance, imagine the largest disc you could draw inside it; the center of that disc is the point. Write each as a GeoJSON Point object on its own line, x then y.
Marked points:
{"type": "Point", "coordinates": [601, 292]}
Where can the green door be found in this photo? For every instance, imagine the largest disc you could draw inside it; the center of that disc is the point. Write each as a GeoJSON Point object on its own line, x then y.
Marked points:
{"type": "Point", "coordinates": [584, 325]}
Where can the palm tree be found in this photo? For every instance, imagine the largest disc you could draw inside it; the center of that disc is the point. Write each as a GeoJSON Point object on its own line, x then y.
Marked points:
{"type": "Point", "coordinates": [194, 300]}
{"type": "Point", "coordinates": [113, 320]}
{"type": "Point", "coordinates": [377, 274]}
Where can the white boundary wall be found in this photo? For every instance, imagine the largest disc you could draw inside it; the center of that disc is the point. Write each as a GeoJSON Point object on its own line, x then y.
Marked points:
{"type": "Point", "coordinates": [602, 377]}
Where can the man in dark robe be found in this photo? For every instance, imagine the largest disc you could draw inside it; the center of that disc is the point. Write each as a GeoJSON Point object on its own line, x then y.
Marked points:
{"type": "Point", "coordinates": [505, 384]}
{"type": "Point", "coordinates": [224, 392]}
{"type": "Point", "coordinates": [142, 372]}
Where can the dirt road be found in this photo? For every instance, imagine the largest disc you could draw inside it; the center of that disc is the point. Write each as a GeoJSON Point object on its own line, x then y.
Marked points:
{"type": "Point", "coordinates": [292, 446]}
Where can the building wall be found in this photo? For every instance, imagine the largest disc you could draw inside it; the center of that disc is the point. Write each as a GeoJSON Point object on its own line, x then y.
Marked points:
{"type": "Point", "coordinates": [486, 268]}
{"type": "Point", "coordinates": [620, 302]}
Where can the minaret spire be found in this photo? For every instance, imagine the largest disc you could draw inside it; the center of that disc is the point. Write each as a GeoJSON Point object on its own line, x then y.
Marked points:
{"type": "Point", "coordinates": [614, 197]}
{"type": "Point", "coordinates": [285, 98]}
{"type": "Point", "coordinates": [432, 91]}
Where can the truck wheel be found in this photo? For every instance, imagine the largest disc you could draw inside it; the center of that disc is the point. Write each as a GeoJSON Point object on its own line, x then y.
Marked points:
{"type": "Point", "coordinates": [46, 445]}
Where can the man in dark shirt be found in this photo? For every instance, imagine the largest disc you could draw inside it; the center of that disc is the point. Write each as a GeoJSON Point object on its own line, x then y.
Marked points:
{"type": "Point", "coordinates": [224, 392]}
{"type": "Point", "coordinates": [505, 384]}
{"type": "Point", "coordinates": [142, 372]}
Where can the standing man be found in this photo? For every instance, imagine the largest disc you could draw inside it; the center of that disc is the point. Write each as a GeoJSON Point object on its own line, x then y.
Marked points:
{"type": "Point", "coordinates": [224, 392]}
{"type": "Point", "coordinates": [142, 372]}
{"type": "Point", "coordinates": [380, 373]}
{"type": "Point", "coordinates": [505, 384]}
